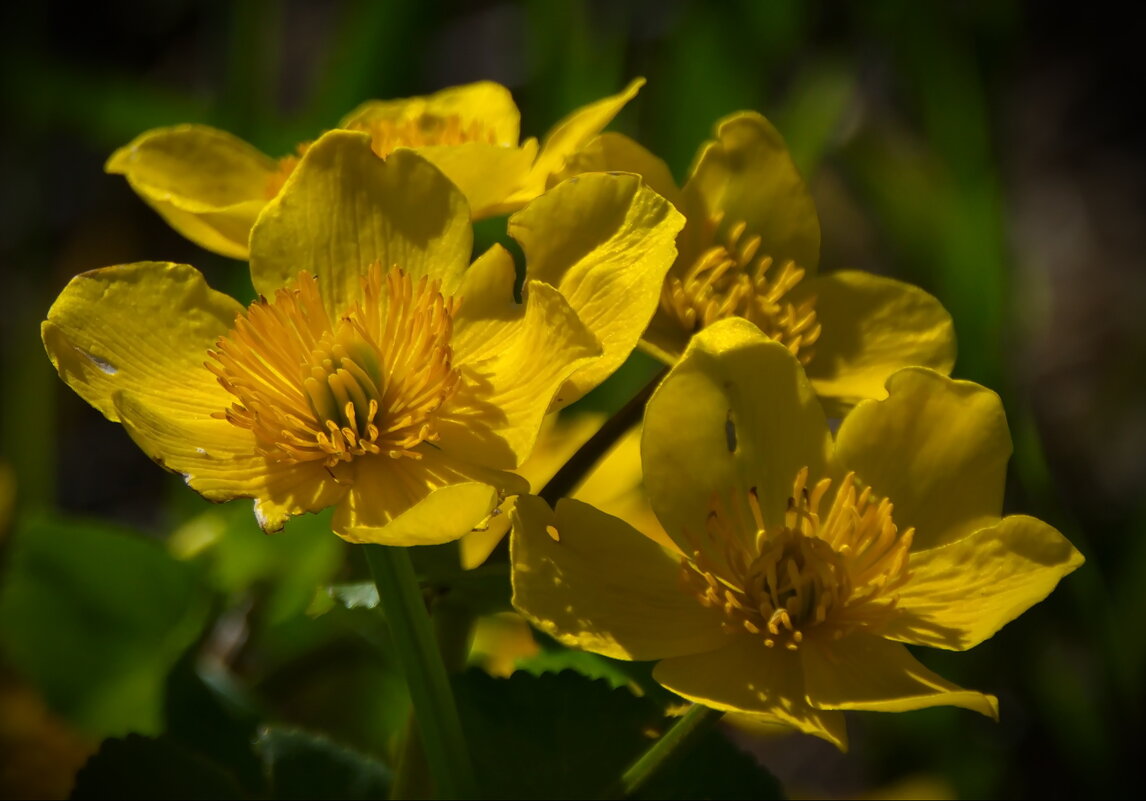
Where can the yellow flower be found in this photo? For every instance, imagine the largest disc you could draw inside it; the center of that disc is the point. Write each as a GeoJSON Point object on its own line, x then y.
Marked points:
{"type": "Point", "coordinates": [210, 186]}
{"type": "Point", "coordinates": [376, 373]}
{"type": "Point", "coordinates": [802, 563]}
{"type": "Point", "coordinates": [751, 248]}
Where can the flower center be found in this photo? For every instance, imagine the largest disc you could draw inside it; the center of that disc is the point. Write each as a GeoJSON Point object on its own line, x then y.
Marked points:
{"type": "Point", "coordinates": [386, 135]}
{"type": "Point", "coordinates": [829, 573]}
{"type": "Point", "coordinates": [315, 388]}
{"type": "Point", "coordinates": [731, 279]}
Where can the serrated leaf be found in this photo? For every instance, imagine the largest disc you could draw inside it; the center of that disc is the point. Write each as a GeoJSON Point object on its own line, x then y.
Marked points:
{"type": "Point", "coordinates": [96, 617]}
{"type": "Point", "coordinates": [151, 769]}
{"type": "Point", "coordinates": [713, 768]}
{"type": "Point", "coordinates": [302, 765]}
{"type": "Point", "coordinates": [558, 735]}
{"type": "Point", "coordinates": [561, 735]}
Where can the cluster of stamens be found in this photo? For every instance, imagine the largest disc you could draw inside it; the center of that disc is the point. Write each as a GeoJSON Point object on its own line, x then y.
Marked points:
{"type": "Point", "coordinates": [731, 278]}
{"type": "Point", "coordinates": [830, 573]}
{"type": "Point", "coordinates": [387, 134]}
{"type": "Point", "coordinates": [312, 387]}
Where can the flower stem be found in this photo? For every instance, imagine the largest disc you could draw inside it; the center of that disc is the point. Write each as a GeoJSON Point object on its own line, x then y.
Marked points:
{"type": "Point", "coordinates": [574, 471]}
{"type": "Point", "coordinates": [673, 743]}
{"type": "Point", "coordinates": [421, 661]}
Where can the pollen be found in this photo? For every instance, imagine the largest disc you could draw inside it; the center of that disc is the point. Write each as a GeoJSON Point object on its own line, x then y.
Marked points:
{"type": "Point", "coordinates": [314, 387]}
{"type": "Point", "coordinates": [822, 572]}
{"type": "Point", "coordinates": [732, 278]}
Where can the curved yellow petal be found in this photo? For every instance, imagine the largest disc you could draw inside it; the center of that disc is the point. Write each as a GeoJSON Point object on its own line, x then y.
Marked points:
{"type": "Point", "coordinates": [558, 439]}
{"type": "Point", "coordinates": [427, 501]}
{"type": "Point", "coordinates": [747, 175]}
{"type": "Point", "coordinates": [665, 339]}
{"type": "Point", "coordinates": [963, 592]}
{"type": "Point", "coordinates": [141, 328]}
{"type": "Point", "coordinates": [614, 152]}
{"type": "Point", "coordinates": [873, 326]}
{"type": "Point", "coordinates": [865, 672]}
{"type": "Point", "coordinates": [735, 412]}
{"type": "Point", "coordinates": [935, 447]}
{"type": "Point", "coordinates": [745, 676]}
{"type": "Point", "coordinates": [343, 208]}
{"type": "Point", "coordinates": [571, 134]}
{"type": "Point", "coordinates": [219, 461]}
{"type": "Point", "coordinates": [486, 174]}
{"type": "Point", "coordinates": [615, 485]}
{"type": "Point", "coordinates": [603, 587]}
{"type": "Point", "coordinates": [606, 242]}
{"type": "Point", "coordinates": [484, 102]}
{"type": "Point", "coordinates": [512, 371]}
{"type": "Point", "coordinates": [209, 185]}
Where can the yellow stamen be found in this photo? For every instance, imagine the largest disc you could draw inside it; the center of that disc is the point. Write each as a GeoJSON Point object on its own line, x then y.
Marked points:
{"type": "Point", "coordinates": [732, 279]}
{"type": "Point", "coordinates": [310, 387]}
{"type": "Point", "coordinates": [825, 573]}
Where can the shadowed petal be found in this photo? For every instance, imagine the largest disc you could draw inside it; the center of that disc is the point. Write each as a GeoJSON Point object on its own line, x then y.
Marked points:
{"type": "Point", "coordinates": [603, 587]}
{"type": "Point", "coordinates": [963, 592]}
{"type": "Point", "coordinates": [937, 448]}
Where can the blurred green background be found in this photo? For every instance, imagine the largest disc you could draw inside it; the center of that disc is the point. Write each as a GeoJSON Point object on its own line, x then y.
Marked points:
{"type": "Point", "coordinates": [982, 150]}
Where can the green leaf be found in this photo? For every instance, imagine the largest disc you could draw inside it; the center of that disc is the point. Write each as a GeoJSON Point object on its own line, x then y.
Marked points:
{"type": "Point", "coordinates": [551, 736]}
{"type": "Point", "coordinates": [145, 768]}
{"type": "Point", "coordinates": [713, 768]}
{"type": "Point", "coordinates": [303, 765]}
{"type": "Point", "coordinates": [288, 565]}
{"type": "Point", "coordinates": [96, 617]}
{"type": "Point", "coordinates": [561, 735]}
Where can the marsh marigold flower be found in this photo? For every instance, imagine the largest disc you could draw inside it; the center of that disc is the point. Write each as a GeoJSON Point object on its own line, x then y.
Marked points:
{"type": "Point", "coordinates": [375, 373]}
{"type": "Point", "coordinates": [802, 563]}
{"type": "Point", "coordinates": [210, 186]}
{"type": "Point", "coordinates": [751, 248]}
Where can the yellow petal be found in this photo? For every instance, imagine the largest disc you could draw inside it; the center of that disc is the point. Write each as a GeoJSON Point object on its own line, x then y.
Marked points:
{"type": "Point", "coordinates": [512, 370]}
{"type": "Point", "coordinates": [570, 135]}
{"type": "Point", "coordinates": [735, 412]}
{"type": "Point", "coordinates": [748, 176]}
{"type": "Point", "coordinates": [614, 152]}
{"type": "Point", "coordinates": [963, 592]}
{"type": "Point", "coordinates": [558, 439]}
{"type": "Point", "coordinates": [873, 326]}
{"type": "Point", "coordinates": [427, 501]}
{"type": "Point", "coordinates": [937, 448]}
{"type": "Point", "coordinates": [865, 672]}
{"type": "Point", "coordinates": [606, 242]}
{"type": "Point", "coordinates": [141, 328]}
{"type": "Point", "coordinates": [602, 586]}
{"type": "Point", "coordinates": [745, 676]}
{"type": "Point", "coordinates": [664, 339]}
{"type": "Point", "coordinates": [615, 485]}
{"type": "Point", "coordinates": [343, 208]}
{"type": "Point", "coordinates": [219, 461]}
{"type": "Point", "coordinates": [485, 102]}
{"type": "Point", "coordinates": [486, 174]}
{"type": "Point", "coordinates": [207, 184]}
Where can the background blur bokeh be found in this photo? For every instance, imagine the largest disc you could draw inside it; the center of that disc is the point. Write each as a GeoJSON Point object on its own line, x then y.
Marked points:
{"type": "Point", "coordinates": [985, 151]}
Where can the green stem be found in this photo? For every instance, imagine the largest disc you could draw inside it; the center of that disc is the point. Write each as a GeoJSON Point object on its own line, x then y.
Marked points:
{"type": "Point", "coordinates": [673, 743]}
{"type": "Point", "coordinates": [573, 472]}
{"type": "Point", "coordinates": [426, 677]}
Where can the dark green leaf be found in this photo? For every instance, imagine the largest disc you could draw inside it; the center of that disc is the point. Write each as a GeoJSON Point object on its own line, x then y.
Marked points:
{"type": "Point", "coordinates": [303, 765]}
{"type": "Point", "coordinates": [145, 768]}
